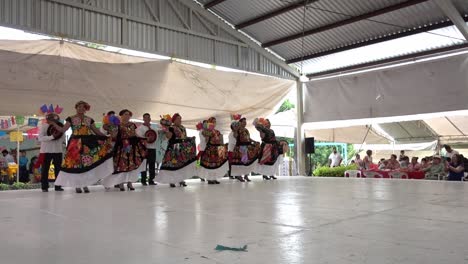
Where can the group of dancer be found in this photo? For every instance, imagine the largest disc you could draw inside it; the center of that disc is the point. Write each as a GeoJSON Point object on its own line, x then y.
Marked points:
{"type": "Point", "coordinates": [115, 154]}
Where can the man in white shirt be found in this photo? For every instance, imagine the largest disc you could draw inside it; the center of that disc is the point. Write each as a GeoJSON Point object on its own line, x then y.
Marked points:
{"type": "Point", "coordinates": [334, 160]}
{"type": "Point", "coordinates": [52, 149]}
{"type": "Point", "coordinates": [151, 151]}
{"type": "Point", "coordinates": [450, 151]}
{"type": "Point", "coordinates": [9, 158]}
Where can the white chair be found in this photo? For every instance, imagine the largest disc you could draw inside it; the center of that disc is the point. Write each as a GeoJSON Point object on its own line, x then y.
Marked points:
{"type": "Point", "coordinates": [372, 174]}
{"type": "Point", "coordinates": [442, 176]}
{"type": "Point", "coordinates": [352, 174]}
{"type": "Point", "coordinates": [398, 175]}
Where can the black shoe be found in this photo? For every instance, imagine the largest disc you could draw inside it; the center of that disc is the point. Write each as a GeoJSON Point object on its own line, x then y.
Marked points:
{"type": "Point", "coordinates": [211, 182]}
{"type": "Point", "coordinates": [86, 190]}
{"type": "Point", "coordinates": [144, 183]}
{"type": "Point", "coordinates": [239, 178]}
{"type": "Point", "coordinates": [117, 186]}
{"type": "Point", "coordinates": [247, 178]}
{"type": "Point", "coordinates": [152, 183]}
{"type": "Point", "coordinates": [273, 178]}
{"type": "Point", "coordinates": [232, 177]}
{"type": "Point", "coordinates": [182, 184]}
{"type": "Point", "coordinates": [78, 190]}
{"type": "Point", "coordinates": [216, 182]}
{"type": "Point", "coordinates": [130, 187]}
{"type": "Point", "coordinates": [58, 189]}
{"type": "Point", "coordinates": [172, 185]}
{"type": "Point", "coordinates": [266, 178]}
{"type": "Point", "coordinates": [203, 180]}
{"type": "Point", "coordinates": [45, 190]}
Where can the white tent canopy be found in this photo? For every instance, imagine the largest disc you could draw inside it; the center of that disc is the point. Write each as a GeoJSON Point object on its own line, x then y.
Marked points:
{"type": "Point", "coordinates": [33, 73]}
{"type": "Point", "coordinates": [425, 87]}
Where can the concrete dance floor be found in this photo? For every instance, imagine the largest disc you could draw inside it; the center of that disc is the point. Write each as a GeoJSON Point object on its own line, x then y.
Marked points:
{"type": "Point", "coordinates": [291, 220]}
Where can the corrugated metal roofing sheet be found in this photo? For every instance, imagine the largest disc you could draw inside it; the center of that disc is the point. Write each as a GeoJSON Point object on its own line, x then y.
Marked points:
{"type": "Point", "coordinates": [394, 48]}
{"type": "Point", "coordinates": [326, 12]}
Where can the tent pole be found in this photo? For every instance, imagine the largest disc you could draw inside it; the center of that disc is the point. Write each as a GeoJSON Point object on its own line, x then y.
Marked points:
{"type": "Point", "coordinates": [300, 143]}
{"type": "Point", "coordinates": [17, 153]}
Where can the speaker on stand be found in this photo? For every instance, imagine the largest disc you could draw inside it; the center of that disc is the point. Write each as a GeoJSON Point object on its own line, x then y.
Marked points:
{"type": "Point", "coordinates": [310, 149]}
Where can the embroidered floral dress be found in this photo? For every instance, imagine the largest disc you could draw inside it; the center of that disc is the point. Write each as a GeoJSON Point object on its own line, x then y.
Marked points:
{"type": "Point", "coordinates": [179, 159]}
{"type": "Point", "coordinates": [129, 154]}
{"type": "Point", "coordinates": [129, 149]}
{"type": "Point", "coordinates": [213, 161]}
{"type": "Point", "coordinates": [85, 150]}
{"type": "Point", "coordinates": [270, 148]}
{"type": "Point", "coordinates": [181, 150]}
{"type": "Point", "coordinates": [246, 151]}
{"type": "Point", "coordinates": [88, 156]}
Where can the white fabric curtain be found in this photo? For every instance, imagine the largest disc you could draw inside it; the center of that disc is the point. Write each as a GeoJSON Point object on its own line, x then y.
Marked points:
{"type": "Point", "coordinates": [33, 73]}
{"type": "Point", "coordinates": [424, 87]}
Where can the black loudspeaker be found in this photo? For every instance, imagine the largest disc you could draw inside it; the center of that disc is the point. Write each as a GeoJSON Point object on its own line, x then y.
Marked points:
{"type": "Point", "coordinates": [310, 145]}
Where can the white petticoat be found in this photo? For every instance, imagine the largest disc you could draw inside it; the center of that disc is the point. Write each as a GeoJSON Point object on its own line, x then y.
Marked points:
{"type": "Point", "coordinates": [213, 174]}
{"type": "Point", "coordinates": [123, 177]}
{"type": "Point", "coordinates": [269, 170]}
{"type": "Point", "coordinates": [240, 170]}
{"type": "Point", "coordinates": [80, 180]}
{"type": "Point", "coordinates": [176, 176]}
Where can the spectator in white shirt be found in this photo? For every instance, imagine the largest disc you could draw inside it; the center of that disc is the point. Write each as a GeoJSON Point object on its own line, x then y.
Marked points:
{"type": "Point", "coordinates": [9, 158]}
{"type": "Point", "coordinates": [450, 151]}
{"type": "Point", "coordinates": [334, 160]}
{"type": "Point", "coordinates": [52, 149]}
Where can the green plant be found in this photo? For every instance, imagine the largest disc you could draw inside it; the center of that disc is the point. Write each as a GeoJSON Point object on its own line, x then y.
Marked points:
{"type": "Point", "coordinates": [18, 186]}
{"type": "Point", "coordinates": [333, 172]}
{"type": "Point", "coordinates": [4, 187]}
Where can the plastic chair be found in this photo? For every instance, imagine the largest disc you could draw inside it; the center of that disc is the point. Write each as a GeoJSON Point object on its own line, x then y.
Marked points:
{"type": "Point", "coordinates": [372, 174]}
{"type": "Point", "coordinates": [398, 175]}
{"type": "Point", "coordinates": [352, 174]}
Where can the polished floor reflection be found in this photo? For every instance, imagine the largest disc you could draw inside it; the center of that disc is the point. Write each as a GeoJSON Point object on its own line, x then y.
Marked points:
{"type": "Point", "coordinates": [291, 220]}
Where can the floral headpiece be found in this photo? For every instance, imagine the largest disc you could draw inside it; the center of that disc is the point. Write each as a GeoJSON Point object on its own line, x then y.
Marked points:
{"type": "Point", "coordinates": [260, 121]}
{"type": "Point", "coordinates": [44, 110]}
{"type": "Point", "coordinates": [111, 119]}
{"type": "Point", "coordinates": [166, 120]}
{"type": "Point", "coordinates": [236, 117]}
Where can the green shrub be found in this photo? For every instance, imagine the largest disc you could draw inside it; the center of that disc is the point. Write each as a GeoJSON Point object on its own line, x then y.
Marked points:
{"type": "Point", "coordinates": [18, 186]}
{"type": "Point", "coordinates": [4, 187]}
{"type": "Point", "coordinates": [333, 172]}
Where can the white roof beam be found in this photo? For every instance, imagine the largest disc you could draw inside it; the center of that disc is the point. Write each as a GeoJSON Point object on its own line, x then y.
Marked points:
{"type": "Point", "coordinates": [451, 12]}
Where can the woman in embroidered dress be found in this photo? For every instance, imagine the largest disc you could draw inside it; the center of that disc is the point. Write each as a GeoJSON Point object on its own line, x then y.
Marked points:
{"type": "Point", "coordinates": [270, 151]}
{"type": "Point", "coordinates": [129, 154]}
{"type": "Point", "coordinates": [213, 160]}
{"type": "Point", "coordinates": [244, 154]}
{"type": "Point", "coordinates": [179, 160]}
{"type": "Point", "coordinates": [89, 152]}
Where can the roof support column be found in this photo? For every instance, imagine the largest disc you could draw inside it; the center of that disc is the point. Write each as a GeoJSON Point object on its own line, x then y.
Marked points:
{"type": "Point", "coordinates": [300, 142]}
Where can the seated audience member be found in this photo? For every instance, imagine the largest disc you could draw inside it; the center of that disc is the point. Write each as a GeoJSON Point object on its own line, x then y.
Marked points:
{"type": "Point", "coordinates": [393, 163]}
{"type": "Point", "coordinates": [383, 164]}
{"type": "Point", "coordinates": [359, 162]}
{"type": "Point", "coordinates": [435, 169]}
{"type": "Point", "coordinates": [402, 156]}
{"type": "Point", "coordinates": [414, 165]}
{"type": "Point", "coordinates": [381, 161]}
{"type": "Point", "coordinates": [449, 151]}
{"type": "Point", "coordinates": [368, 160]}
{"type": "Point", "coordinates": [424, 163]}
{"type": "Point", "coordinates": [455, 169]}
{"type": "Point", "coordinates": [404, 163]}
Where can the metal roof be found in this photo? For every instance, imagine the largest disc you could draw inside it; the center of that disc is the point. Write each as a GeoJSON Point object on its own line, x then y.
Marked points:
{"type": "Point", "coordinates": [332, 26]}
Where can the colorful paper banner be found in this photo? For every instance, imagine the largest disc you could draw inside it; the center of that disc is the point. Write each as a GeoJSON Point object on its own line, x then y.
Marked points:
{"type": "Point", "coordinates": [32, 122]}
{"type": "Point", "coordinates": [20, 120]}
{"type": "Point", "coordinates": [16, 136]}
